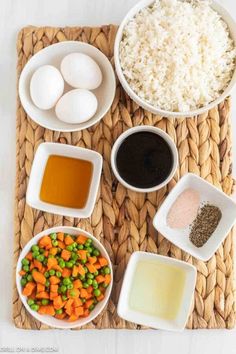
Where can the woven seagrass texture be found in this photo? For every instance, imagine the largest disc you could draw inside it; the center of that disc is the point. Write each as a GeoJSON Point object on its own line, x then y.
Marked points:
{"type": "Point", "coordinates": [122, 219]}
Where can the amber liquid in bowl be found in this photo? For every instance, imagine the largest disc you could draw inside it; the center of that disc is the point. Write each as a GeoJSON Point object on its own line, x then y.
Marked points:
{"type": "Point", "coordinates": [66, 181]}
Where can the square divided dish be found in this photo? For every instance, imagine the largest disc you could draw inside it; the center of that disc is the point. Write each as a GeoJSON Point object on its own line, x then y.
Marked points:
{"type": "Point", "coordinates": [208, 194]}
{"type": "Point", "coordinates": [167, 287]}
{"type": "Point", "coordinates": [37, 172]}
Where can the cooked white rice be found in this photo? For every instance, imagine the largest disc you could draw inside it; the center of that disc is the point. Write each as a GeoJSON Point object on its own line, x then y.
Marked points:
{"type": "Point", "coordinates": [177, 55]}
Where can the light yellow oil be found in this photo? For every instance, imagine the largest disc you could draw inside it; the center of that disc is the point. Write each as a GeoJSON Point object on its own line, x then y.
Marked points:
{"type": "Point", "coordinates": [157, 289]}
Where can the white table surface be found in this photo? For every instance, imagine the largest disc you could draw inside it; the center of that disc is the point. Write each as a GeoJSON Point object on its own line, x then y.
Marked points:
{"type": "Point", "coordinates": [15, 14]}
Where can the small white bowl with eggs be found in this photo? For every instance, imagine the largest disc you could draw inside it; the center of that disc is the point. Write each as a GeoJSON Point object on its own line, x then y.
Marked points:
{"type": "Point", "coordinates": [68, 86]}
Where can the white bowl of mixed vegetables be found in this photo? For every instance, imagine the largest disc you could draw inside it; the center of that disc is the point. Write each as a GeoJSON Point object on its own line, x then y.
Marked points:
{"type": "Point", "coordinates": [64, 277]}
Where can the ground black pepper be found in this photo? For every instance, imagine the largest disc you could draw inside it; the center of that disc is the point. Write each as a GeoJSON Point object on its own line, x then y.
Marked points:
{"type": "Point", "coordinates": [205, 224]}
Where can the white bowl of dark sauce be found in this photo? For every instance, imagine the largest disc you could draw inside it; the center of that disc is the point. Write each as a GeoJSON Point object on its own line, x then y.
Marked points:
{"type": "Point", "coordinates": [144, 158]}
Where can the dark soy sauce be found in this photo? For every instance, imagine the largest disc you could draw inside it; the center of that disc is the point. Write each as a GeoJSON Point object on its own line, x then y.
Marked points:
{"type": "Point", "coordinates": [144, 159]}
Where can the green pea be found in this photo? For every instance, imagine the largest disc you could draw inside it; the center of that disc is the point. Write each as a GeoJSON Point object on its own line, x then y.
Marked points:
{"type": "Point", "coordinates": [35, 254]}
{"type": "Point", "coordinates": [72, 293]}
{"type": "Point", "coordinates": [58, 274]}
{"type": "Point", "coordinates": [23, 282]}
{"type": "Point", "coordinates": [26, 268]}
{"type": "Point", "coordinates": [53, 236]}
{"type": "Point", "coordinates": [52, 272]}
{"type": "Point", "coordinates": [69, 264]}
{"type": "Point", "coordinates": [89, 241]}
{"type": "Point", "coordinates": [51, 256]}
{"type": "Point", "coordinates": [83, 300]}
{"type": "Point", "coordinates": [30, 302]}
{"type": "Point", "coordinates": [107, 270]}
{"type": "Point", "coordinates": [102, 271]}
{"type": "Point", "coordinates": [74, 245]}
{"type": "Point", "coordinates": [45, 262]}
{"type": "Point", "coordinates": [85, 285]}
{"type": "Point", "coordinates": [74, 256]}
{"type": "Point", "coordinates": [58, 250]}
{"type": "Point", "coordinates": [89, 281]}
{"type": "Point", "coordinates": [70, 286]}
{"type": "Point", "coordinates": [69, 248]}
{"type": "Point", "coordinates": [66, 281]}
{"type": "Point", "coordinates": [89, 249]}
{"type": "Point", "coordinates": [47, 283]}
{"type": "Point", "coordinates": [83, 261]}
{"type": "Point", "coordinates": [64, 297]}
{"type": "Point", "coordinates": [29, 277]}
{"type": "Point", "coordinates": [82, 277]}
{"type": "Point", "coordinates": [34, 307]}
{"type": "Point", "coordinates": [45, 301]}
{"type": "Point", "coordinates": [25, 262]}
{"type": "Point", "coordinates": [63, 288]}
{"type": "Point", "coordinates": [95, 283]}
{"type": "Point", "coordinates": [40, 258]}
{"type": "Point", "coordinates": [95, 273]}
{"type": "Point", "coordinates": [105, 285]}
{"type": "Point", "coordinates": [91, 307]}
{"type": "Point", "coordinates": [62, 263]}
{"type": "Point", "coordinates": [35, 248]}
{"type": "Point", "coordinates": [80, 247]}
{"type": "Point", "coordinates": [41, 250]}
{"type": "Point", "coordinates": [59, 311]}
{"type": "Point", "coordinates": [90, 275]}
{"type": "Point", "coordinates": [55, 243]}
{"type": "Point", "coordinates": [96, 292]}
{"type": "Point", "coordinates": [46, 274]}
{"type": "Point", "coordinates": [96, 252]}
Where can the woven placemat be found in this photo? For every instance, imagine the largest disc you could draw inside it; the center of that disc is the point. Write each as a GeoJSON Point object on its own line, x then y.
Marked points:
{"type": "Point", "coordinates": [122, 219]}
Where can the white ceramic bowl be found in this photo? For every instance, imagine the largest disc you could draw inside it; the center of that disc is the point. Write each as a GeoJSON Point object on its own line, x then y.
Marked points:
{"type": "Point", "coordinates": [125, 311]}
{"type": "Point", "coordinates": [37, 172]}
{"type": "Point", "coordinates": [208, 193]}
{"type": "Point", "coordinates": [49, 320]}
{"type": "Point", "coordinates": [147, 128]}
{"type": "Point", "coordinates": [53, 55]}
{"type": "Point", "coordinates": [145, 3]}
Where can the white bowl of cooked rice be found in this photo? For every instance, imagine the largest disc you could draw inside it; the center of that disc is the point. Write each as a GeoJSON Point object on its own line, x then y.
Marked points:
{"type": "Point", "coordinates": [176, 58]}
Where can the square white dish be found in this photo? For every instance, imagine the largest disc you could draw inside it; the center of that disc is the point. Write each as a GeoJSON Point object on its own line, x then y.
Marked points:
{"type": "Point", "coordinates": [37, 172]}
{"type": "Point", "coordinates": [126, 312]}
{"type": "Point", "coordinates": [208, 193]}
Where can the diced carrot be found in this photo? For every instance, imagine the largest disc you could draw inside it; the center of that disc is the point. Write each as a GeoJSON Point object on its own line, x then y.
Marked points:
{"type": "Point", "coordinates": [33, 294]}
{"type": "Point", "coordinates": [43, 270]}
{"type": "Point", "coordinates": [66, 272]}
{"type": "Point", "coordinates": [91, 268]}
{"type": "Point", "coordinates": [73, 293]}
{"type": "Point", "coordinates": [81, 239]}
{"type": "Point", "coordinates": [81, 270]}
{"type": "Point", "coordinates": [107, 279]}
{"type": "Point", "coordinates": [86, 313]}
{"type": "Point", "coordinates": [40, 288]}
{"type": "Point", "coordinates": [46, 310]}
{"type": "Point", "coordinates": [100, 297]}
{"type": "Point", "coordinates": [61, 245]}
{"type": "Point", "coordinates": [53, 251]}
{"type": "Point", "coordinates": [77, 302]}
{"type": "Point", "coordinates": [54, 288]}
{"type": "Point", "coordinates": [52, 262]}
{"type": "Point", "coordinates": [88, 303]}
{"type": "Point", "coordinates": [69, 303]}
{"type": "Point", "coordinates": [90, 289]}
{"type": "Point", "coordinates": [60, 236]}
{"type": "Point", "coordinates": [45, 241]}
{"type": "Point", "coordinates": [42, 295]}
{"type": "Point", "coordinates": [39, 277]}
{"type": "Point", "coordinates": [65, 254]}
{"type": "Point", "coordinates": [82, 254]}
{"type": "Point", "coordinates": [29, 256]}
{"type": "Point", "coordinates": [28, 289]}
{"type": "Point", "coordinates": [79, 311]}
{"type": "Point", "coordinates": [100, 279]}
{"type": "Point", "coordinates": [83, 293]}
{"type": "Point", "coordinates": [53, 295]}
{"type": "Point", "coordinates": [22, 272]}
{"type": "Point", "coordinates": [77, 284]}
{"type": "Point", "coordinates": [69, 310]}
{"type": "Point", "coordinates": [103, 261]}
{"type": "Point", "coordinates": [38, 265]}
{"type": "Point", "coordinates": [57, 267]}
{"type": "Point", "coordinates": [73, 318]}
{"type": "Point", "coordinates": [60, 316]}
{"type": "Point", "coordinates": [31, 265]}
{"type": "Point", "coordinates": [46, 253]}
{"type": "Point", "coordinates": [54, 280]}
{"type": "Point", "coordinates": [68, 240]}
{"type": "Point", "coordinates": [92, 260]}
{"type": "Point", "coordinates": [57, 302]}
{"type": "Point", "coordinates": [75, 271]}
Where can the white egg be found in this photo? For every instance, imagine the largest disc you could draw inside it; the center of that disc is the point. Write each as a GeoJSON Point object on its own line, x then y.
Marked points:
{"type": "Point", "coordinates": [46, 86]}
{"type": "Point", "coordinates": [76, 106]}
{"type": "Point", "coordinates": [81, 71]}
